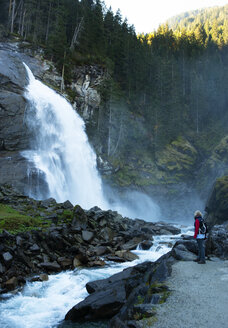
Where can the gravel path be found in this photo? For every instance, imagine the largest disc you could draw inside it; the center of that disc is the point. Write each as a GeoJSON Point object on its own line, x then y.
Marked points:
{"type": "Point", "coordinates": [199, 297]}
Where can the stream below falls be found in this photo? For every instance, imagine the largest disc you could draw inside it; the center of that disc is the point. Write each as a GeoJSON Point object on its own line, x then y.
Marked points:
{"type": "Point", "coordinates": [45, 304]}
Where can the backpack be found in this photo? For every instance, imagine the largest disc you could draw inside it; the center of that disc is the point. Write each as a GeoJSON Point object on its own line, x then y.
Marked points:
{"type": "Point", "coordinates": [203, 229]}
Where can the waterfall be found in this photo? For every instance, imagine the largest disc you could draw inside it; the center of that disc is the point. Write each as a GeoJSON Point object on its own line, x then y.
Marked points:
{"type": "Point", "coordinates": [60, 149]}
{"type": "Point", "coordinates": [62, 162]}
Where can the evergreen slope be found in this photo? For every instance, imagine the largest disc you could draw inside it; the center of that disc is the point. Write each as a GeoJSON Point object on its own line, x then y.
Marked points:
{"type": "Point", "coordinates": [213, 20]}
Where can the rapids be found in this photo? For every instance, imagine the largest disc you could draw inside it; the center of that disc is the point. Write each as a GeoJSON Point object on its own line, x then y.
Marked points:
{"type": "Point", "coordinates": [44, 304]}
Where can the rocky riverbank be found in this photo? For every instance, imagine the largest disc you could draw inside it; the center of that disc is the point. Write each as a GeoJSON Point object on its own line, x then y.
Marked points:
{"type": "Point", "coordinates": [133, 297]}
{"type": "Point", "coordinates": [46, 237]}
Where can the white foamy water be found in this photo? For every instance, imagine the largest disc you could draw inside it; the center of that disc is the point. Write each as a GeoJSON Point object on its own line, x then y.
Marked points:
{"type": "Point", "coordinates": [45, 304]}
{"type": "Point", "coordinates": [60, 148]}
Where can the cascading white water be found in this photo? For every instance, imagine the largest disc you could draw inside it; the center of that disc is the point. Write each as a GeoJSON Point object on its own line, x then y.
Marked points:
{"type": "Point", "coordinates": [61, 149]}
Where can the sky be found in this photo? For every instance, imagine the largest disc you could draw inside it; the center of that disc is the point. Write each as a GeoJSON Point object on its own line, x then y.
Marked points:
{"type": "Point", "coordinates": [146, 15]}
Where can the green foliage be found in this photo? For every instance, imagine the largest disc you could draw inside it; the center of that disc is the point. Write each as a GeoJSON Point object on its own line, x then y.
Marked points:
{"type": "Point", "coordinates": [140, 299]}
{"type": "Point", "coordinates": [13, 221]}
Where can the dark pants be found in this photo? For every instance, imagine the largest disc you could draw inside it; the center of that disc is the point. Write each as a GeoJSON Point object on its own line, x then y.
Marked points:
{"type": "Point", "coordinates": [201, 249]}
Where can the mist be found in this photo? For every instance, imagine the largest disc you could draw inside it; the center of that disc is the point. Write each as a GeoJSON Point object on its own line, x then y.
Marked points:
{"type": "Point", "coordinates": [133, 204]}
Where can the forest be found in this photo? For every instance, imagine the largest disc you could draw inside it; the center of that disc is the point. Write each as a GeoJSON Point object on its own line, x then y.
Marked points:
{"type": "Point", "coordinates": [173, 80]}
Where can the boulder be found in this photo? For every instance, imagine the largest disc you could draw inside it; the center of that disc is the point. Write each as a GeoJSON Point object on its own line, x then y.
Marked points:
{"type": "Point", "coordinates": [76, 262]}
{"type": "Point", "coordinates": [35, 248]}
{"type": "Point", "coordinates": [80, 218]}
{"type": "Point", "coordinates": [181, 253]}
{"type": "Point", "coordinates": [43, 277]}
{"type": "Point", "coordinates": [217, 204]}
{"type": "Point", "coordinates": [102, 305]}
{"type": "Point", "coordinates": [11, 284]}
{"type": "Point", "coordinates": [7, 258]}
{"type": "Point", "coordinates": [107, 234]}
{"type": "Point", "coordinates": [101, 250]}
{"type": "Point", "coordinates": [2, 268]}
{"type": "Point", "coordinates": [87, 235]}
{"type": "Point", "coordinates": [67, 205]}
{"type": "Point", "coordinates": [189, 244]}
{"type": "Point", "coordinates": [51, 266]}
{"type": "Point", "coordinates": [126, 255]}
{"type": "Point", "coordinates": [65, 262]}
{"type": "Point", "coordinates": [141, 311]}
{"type": "Point", "coordinates": [146, 244]}
{"type": "Point", "coordinates": [118, 294]}
{"type": "Point", "coordinates": [217, 243]}
{"type": "Point", "coordinates": [133, 243]}
{"type": "Point", "coordinates": [96, 263]}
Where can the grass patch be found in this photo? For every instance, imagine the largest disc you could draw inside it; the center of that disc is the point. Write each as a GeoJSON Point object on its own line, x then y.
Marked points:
{"type": "Point", "coordinates": [14, 222]}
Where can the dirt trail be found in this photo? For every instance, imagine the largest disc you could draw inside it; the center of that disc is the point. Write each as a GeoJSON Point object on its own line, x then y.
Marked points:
{"type": "Point", "coordinates": [199, 297]}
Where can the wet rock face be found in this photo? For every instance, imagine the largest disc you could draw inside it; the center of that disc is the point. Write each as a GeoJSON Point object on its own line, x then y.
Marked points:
{"type": "Point", "coordinates": [15, 136]}
{"type": "Point", "coordinates": [217, 204]}
{"type": "Point", "coordinates": [218, 241]}
{"type": "Point", "coordinates": [13, 79]}
{"type": "Point", "coordinates": [86, 81]}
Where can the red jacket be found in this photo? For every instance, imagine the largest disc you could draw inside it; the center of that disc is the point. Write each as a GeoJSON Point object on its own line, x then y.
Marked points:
{"type": "Point", "coordinates": [197, 224]}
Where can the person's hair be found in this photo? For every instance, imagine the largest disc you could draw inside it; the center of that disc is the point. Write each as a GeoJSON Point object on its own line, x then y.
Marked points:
{"type": "Point", "coordinates": [197, 213]}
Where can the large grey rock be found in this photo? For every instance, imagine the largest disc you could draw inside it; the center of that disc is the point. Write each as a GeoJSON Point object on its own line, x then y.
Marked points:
{"type": "Point", "coordinates": [11, 284]}
{"type": "Point", "coordinates": [181, 253]}
{"type": "Point", "coordinates": [218, 241]}
{"type": "Point", "coordinates": [7, 258]}
{"type": "Point", "coordinates": [119, 293]}
{"type": "Point", "coordinates": [51, 266]}
{"type": "Point", "coordinates": [14, 134]}
{"type": "Point", "coordinates": [87, 235]}
{"type": "Point", "coordinates": [2, 268]}
{"type": "Point", "coordinates": [217, 204]}
{"type": "Point", "coordinates": [13, 74]}
{"type": "Point", "coordinates": [13, 79]}
{"type": "Point", "coordinates": [102, 305]}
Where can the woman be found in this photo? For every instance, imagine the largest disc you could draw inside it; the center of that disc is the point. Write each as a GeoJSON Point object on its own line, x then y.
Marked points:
{"type": "Point", "coordinates": [200, 238]}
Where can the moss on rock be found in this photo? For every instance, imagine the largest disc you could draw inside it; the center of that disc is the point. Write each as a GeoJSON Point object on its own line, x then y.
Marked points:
{"type": "Point", "coordinates": [217, 205]}
{"type": "Point", "coordinates": [14, 222]}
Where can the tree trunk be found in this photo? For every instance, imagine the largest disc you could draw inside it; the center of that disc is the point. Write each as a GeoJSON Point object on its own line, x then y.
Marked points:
{"type": "Point", "coordinates": [197, 115]}
{"type": "Point", "coordinates": [23, 23]}
{"type": "Point", "coordinates": [76, 33]}
{"type": "Point", "coordinates": [10, 8]}
{"type": "Point", "coordinates": [13, 16]}
{"type": "Point", "coordinates": [109, 130]}
{"type": "Point", "coordinates": [63, 72]}
{"type": "Point", "coordinates": [183, 74]}
{"type": "Point", "coordinates": [48, 23]}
